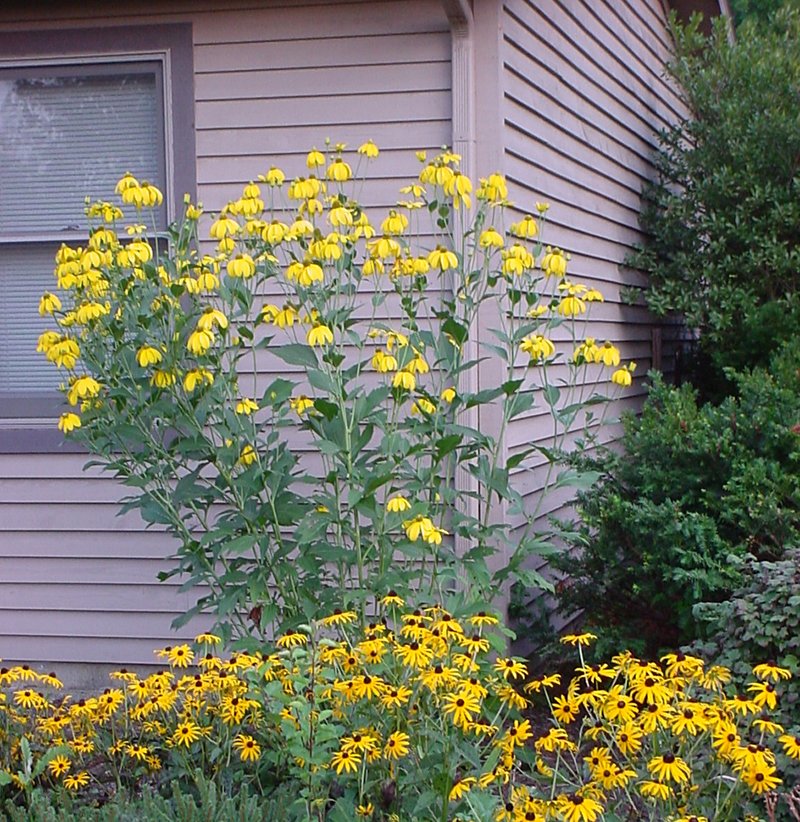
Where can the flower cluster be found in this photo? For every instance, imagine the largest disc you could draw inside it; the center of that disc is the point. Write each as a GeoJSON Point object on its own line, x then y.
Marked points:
{"type": "Point", "coordinates": [369, 328]}
{"type": "Point", "coordinates": [413, 715]}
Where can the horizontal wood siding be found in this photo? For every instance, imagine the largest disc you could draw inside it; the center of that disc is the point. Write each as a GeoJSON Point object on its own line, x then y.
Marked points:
{"type": "Point", "coordinates": [584, 95]}
{"type": "Point", "coordinates": [77, 582]}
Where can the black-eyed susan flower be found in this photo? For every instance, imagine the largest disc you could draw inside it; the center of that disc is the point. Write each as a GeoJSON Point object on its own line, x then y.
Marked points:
{"type": "Point", "coordinates": [180, 656]}
{"type": "Point", "coordinates": [760, 779]}
{"type": "Point", "coordinates": [511, 697]}
{"type": "Point", "coordinates": [186, 733]}
{"type": "Point", "coordinates": [367, 686]}
{"type": "Point", "coordinates": [536, 685]}
{"type": "Point", "coordinates": [669, 768]}
{"type": "Point", "coordinates": [629, 738]}
{"type": "Point", "coordinates": [655, 790]}
{"type": "Point", "coordinates": [345, 762]}
{"type": "Point", "coordinates": [395, 697]}
{"type": "Point", "coordinates": [771, 671]}
{"type": "Point", "coordinates": [565, 710]}
{"type": "Point", "coordinates": [393, 598]}
{"type": "Point", "coordinates": [249, 750]}
{"type": "Point", "coordinates": [511, 668]}
{"type": "Point", "coordinates": [74, 782]}
{"type": "Point", "coordinates": [583, 639]}
{"type": "Point", "coordinates": [59, 765]}
{"type": "Point", "coordinates": [579, 808]}
{"type": "Point", "coordinates": [461, 788]}
{"type": "Point", "coordinates": [137, 751]}
{"type": "Point", "coordinates": [207, 639]}
{"type": "Point", "coordinates": [764, 695]}
{"type": "Point", "coordinates": [339, 617]}
{"type": "Point", "coordinates": [791, 745]}
{"type": "Point", "coordinates": [397, 745]}
{"type": "Point", "coordinates": [461, 707]}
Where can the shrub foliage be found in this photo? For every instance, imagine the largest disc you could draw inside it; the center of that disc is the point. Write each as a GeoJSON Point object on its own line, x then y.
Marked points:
{"type": "Point", "coordinates": [695, 485]}
{"type": "Point", "coordinates": [724, 213]}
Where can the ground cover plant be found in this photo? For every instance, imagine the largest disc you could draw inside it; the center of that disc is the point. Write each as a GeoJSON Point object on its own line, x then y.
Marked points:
{"type": "Point", "coordinates": [161, 344]}
{"type": "Point", "coordinates": [412, 718]}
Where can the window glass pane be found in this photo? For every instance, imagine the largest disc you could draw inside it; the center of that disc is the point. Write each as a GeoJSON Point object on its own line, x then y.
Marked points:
{"type": "Point", "coordinates": [26, 272]}
{"type": "Point", "coordinates": [63, 138]}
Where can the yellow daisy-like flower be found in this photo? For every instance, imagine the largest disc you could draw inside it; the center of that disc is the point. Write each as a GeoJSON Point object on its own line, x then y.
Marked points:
{"type": "Point", "coordinates": [186, 733]}
{"type": "Point", "coordinates": [208, 639]}
{"type": "Point", "coordinates": [461, 788]}
{"type": "Point", "coordinates": [397, 745]}
{"type": "Point", "coordinates": [339, 171]}
{"type": "Point", "coordinates": [764, 695]}
{"type": "Point", "coordinates": [511, 668]}
{"type": "Point", "coordinates": [395, 697]}
{"type": "Point", "coordinates": [393, 598]}
{"type": "Point", "coordinates": [319, 335]}
{"type": "Point", "coordinates": [74, 782]}
{"type": "Point", "coordinates": [301, 404]}
{"type": "Point", "coordinates": [340, 617]}
{"type": "Point", "coordinates": [760, 780]}
{"type": "Point", "coordinates": [461, 707]}
{"type": "Point", "coordinates": [59, 765]}
{"type": "Point", "coordinates": [579, 808]}
{"type": "Point", "coordinates": [655, 790]}
{"type": "Point", "coordinates": [147, 355]}
{"type": "Point", "coordinates": [137, 751]}
{"type": "Point", "coordinates": [669, 768]}
{"type": "Point", "coordinates": [584, 639]}
{"type": "Point", "coordinates": [249, 750]}
{"type": "Point", "coordinates": [791, 745]}
{"type": "Point", "coordinates": [565, 710]}
{"type": "Point", "coordinates": [292, 640]}
{"type": "Point", "coordinates": [68, 421]}
{"type": "Point", "coordinates": [769, 670]}
{"type": "Point", "coordinates": [345, 761]}
{"type": "Point", "coordinates": [180, 656]}
{"type": "Point", "coordinates": [369, 149]}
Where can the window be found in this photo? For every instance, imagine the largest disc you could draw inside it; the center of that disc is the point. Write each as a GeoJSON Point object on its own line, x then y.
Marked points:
{"type": "Point", "coordinates": [70, 125]}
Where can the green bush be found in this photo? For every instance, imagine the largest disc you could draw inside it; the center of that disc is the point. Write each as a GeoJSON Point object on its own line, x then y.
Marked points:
{"type": "Point", "coordinates": [723, 215]}
{"type": "Point", "coordinates": [696, 484]}
{"type": "Point", "coordinates": [760, 622]}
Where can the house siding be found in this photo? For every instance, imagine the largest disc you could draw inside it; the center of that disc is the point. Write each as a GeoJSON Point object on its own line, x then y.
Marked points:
{"type": "Point", "coordinates": [583, 96]}
{"type": "Point", "coordinates": [78, 587]}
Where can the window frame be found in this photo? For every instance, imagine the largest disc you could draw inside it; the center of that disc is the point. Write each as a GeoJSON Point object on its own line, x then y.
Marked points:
{"type": "Point", "coordinates": [27, 422]}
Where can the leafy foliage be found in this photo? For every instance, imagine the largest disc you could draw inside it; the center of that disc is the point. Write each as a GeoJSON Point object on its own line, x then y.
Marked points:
{"type": "Point", "coordinates": [723, 215]}
{"type": "Point", "coordinates": [759, 622]}
{"type": "Point", "coordinates": [333, 483]}
{"type": "Point", "coordinates": [202, 801]}
{"type": "Point", "coordinates": [695, 485]}
{"type": "Point", "coordinates": [412, 718]}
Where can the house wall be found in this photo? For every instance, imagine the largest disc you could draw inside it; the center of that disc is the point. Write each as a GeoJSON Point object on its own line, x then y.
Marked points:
{"type": "Point", "coordinates": [582, 96]}
{"type": "Point", "coordinates": [78, 586]}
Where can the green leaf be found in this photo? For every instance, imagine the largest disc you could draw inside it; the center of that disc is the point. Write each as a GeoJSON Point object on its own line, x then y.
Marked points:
{"type": "Point", "coordinates": [296, 354]}
{"type": "Point", "coordinates": [447, 445]}
{"type": "Point", "coordinates": [577, 479]}
{"type": "Point", "coordinates": [456, 330]}
{"type": "Point", "coordinates": [327, 408]}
